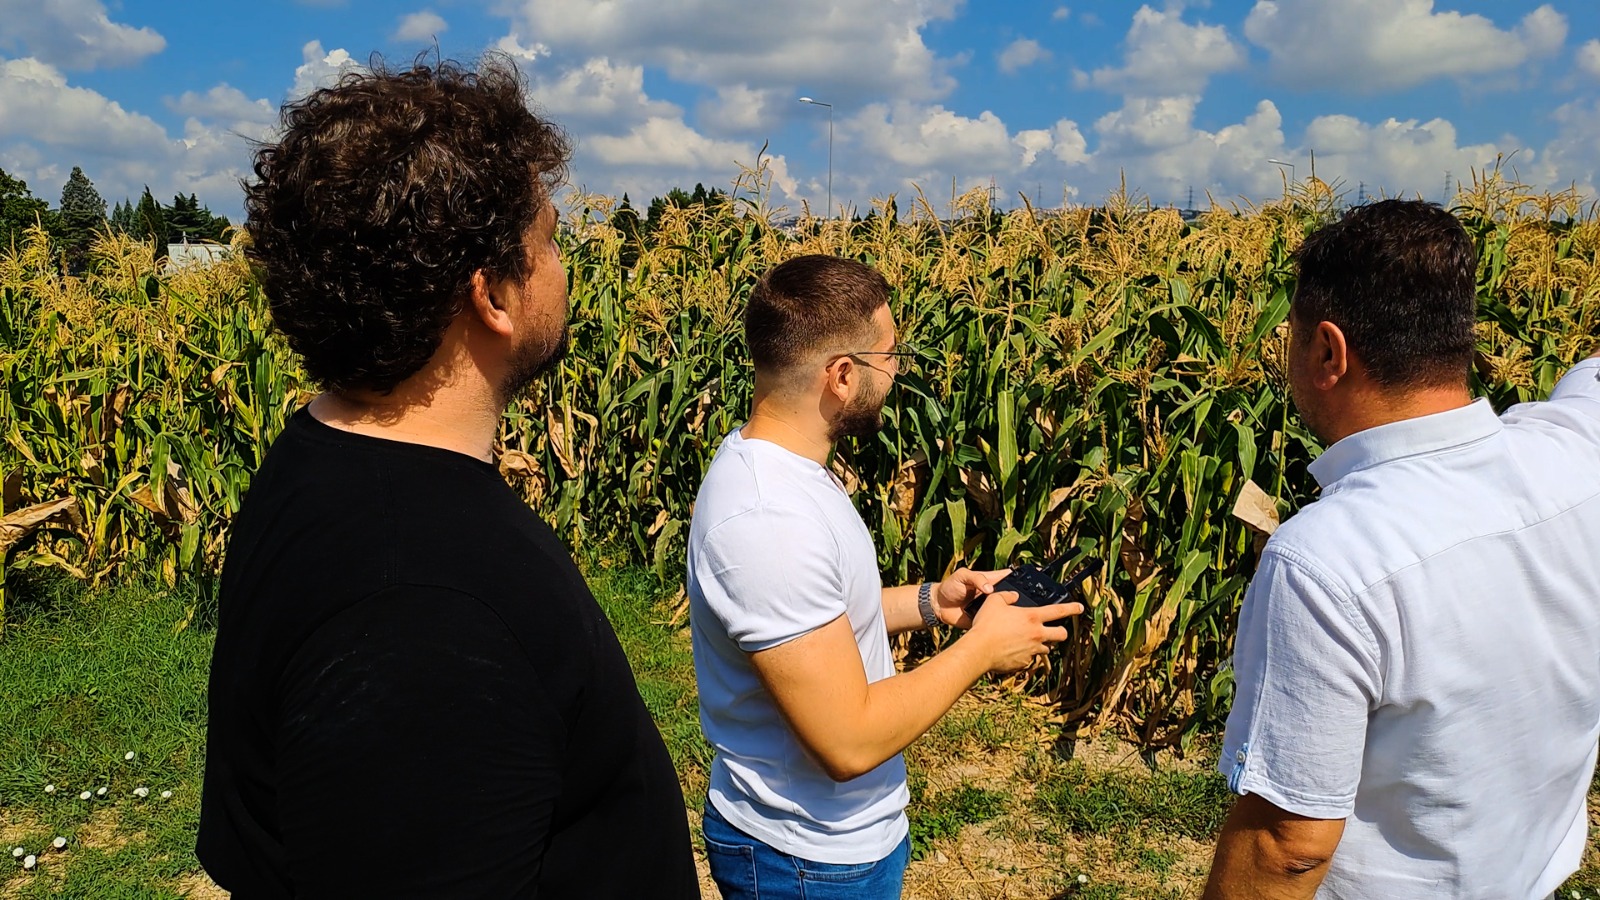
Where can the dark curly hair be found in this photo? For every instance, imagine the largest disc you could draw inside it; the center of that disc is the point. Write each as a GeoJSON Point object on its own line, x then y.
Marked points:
{"type": "Point", "coordinates": [385, 193]}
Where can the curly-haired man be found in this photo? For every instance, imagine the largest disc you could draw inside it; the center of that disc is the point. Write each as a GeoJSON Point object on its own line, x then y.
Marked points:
{"type": "Point", "coordinates": [413, 692]}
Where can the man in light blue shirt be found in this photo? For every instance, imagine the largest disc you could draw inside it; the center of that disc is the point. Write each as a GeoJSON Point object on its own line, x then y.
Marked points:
{"type": "Point", "coordinates": [1418, 657]}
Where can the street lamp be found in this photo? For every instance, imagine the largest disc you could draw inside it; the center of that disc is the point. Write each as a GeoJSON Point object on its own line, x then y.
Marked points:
{"type": "Point", "coordinates": [1280, 163]}
{"type": "Point", "coordinates": [830, 148]}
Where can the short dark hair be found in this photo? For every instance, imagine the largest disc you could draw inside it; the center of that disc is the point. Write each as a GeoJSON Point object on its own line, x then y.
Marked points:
{"type": "Point", "coordinates": [1399, 278]}
{"type": "Point", "coordinates": [384, 195]}
{"type": "Point", "coordinates": [807, 304]}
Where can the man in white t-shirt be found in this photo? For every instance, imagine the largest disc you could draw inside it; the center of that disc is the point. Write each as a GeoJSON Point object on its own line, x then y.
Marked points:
{"type": "Point", "coordinates": [791, 621]}
{"type": "Point", "coordinates": [1418, 657]}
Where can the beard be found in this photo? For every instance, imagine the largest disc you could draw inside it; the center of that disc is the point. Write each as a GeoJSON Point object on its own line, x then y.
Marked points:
{"type": "Point", "coordinates": [533, 359]}
{"type": "Point", "coordinates": [861, 417]}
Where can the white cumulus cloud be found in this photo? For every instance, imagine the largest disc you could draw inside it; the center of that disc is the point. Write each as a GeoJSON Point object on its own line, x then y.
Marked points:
{"type": "Point", "coordinates": [319, 68]}
{"type": "Point", "coordinates": [1164, 55]}
{"type": "Point", "coordinates": [223, 103]}
{"type": "Point", "coordinates": [835, 49]}
{"type": "Point", "coordinates": [1381, 45]}
{"type": "Point", "coordinates": [424, 25]}
{"type": "Point", "coordinates": [1021, 53]}
{"type": "Point", "coordinates": [1589, 58]}
{"type": "Point", "coordinates": [74, 34]}
{"type": "Point", "coordinates": [48, 125]}
{"type": "Point", "coordinates": [597, 96]}
{"type": "Point", "coordinates": [740, 109]}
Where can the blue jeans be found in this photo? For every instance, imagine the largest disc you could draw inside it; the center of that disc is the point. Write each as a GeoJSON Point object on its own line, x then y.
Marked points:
{"type": "Point", "coordinates": [747, 869]}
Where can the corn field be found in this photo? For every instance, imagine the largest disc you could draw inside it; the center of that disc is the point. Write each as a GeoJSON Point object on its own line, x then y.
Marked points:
{"type": "Point", "coordinates": [1106, 377]}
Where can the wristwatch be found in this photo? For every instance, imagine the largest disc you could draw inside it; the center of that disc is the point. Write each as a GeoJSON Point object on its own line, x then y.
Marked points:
{"type": "Point", "coordinates": [930, 619]}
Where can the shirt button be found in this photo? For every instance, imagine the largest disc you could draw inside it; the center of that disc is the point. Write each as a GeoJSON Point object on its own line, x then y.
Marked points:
{"type": "Point", "coordinates": [1239, 756]}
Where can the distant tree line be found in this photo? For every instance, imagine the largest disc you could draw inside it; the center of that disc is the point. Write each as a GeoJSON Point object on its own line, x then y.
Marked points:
{"type": "Point", "coordinates": [82, 215]}
{"type": "Point", "coordinates": [639, 231]}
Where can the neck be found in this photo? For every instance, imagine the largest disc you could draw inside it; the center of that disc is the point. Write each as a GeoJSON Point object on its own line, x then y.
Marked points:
{"type": "Point", "coordinates": [1380, 408]}
{"type": "Point", "coordinates": [779, 420]}
{"type": "Point", "coordinates": [428, 408]}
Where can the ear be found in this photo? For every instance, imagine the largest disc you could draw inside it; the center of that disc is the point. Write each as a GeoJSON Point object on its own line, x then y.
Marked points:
{"type": "Point", "coordinates": [489, 301]}
{"type": "Point", "coordinates": [1330, 356]}
{"type": "Point", "coordinates": [841, 376]}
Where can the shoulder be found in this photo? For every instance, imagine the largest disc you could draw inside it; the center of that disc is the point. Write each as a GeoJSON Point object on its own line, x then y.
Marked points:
{"type": "Point", "coordinates": [777, 532]}
{"type": "Point", "coordinates": [448, 633]}
{"type": "Point", "coordinates": [750, 484]}
{"type": "Point", "coordinates": [1574, 405]}
{"type": "Point", "coordinates": [1327, 538]}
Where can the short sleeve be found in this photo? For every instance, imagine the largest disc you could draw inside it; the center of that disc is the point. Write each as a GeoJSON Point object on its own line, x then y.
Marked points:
{"type": "Point", "coordinates": [771, 575]}
{"type": "Point", "coordinates": [1306, 676]}
{"type": "Point", "coordinates": [411, 722]}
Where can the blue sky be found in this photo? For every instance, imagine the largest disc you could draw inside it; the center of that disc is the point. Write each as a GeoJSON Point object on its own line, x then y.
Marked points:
{"type": "Point", "coordinates": [1052, 99]}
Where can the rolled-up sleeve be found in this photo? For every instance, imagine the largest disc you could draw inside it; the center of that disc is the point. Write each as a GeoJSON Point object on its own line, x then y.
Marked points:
{"type": "Point", "coordinates": [771, 575]}
{"type": "Point", "coordinates": [1306, 675]}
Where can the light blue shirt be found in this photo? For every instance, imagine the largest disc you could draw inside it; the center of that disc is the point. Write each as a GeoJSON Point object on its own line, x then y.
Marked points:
{"type": "Point", "coordinates": [1419, 652]}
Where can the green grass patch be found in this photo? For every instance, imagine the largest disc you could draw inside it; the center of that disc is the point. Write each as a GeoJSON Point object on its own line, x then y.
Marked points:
{"type": "Point", "coordinates": [944, 815]}
{"type": "Point", "coordinates": [89, 678]}
{"type": "Point", "coordinates": [1083, 801]}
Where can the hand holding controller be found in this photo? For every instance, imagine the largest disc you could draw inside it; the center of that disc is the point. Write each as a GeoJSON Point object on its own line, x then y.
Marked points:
{"type": "Point", "coordinates": [1037, 585]}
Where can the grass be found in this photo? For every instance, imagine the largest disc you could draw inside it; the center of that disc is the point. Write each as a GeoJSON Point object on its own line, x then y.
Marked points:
{"type": "Point", "coordinates": [998, 810]}
{"type": "Point", "coordinates": [88, 679]}
{"type": "Point", "coordinates": [1082, 801]}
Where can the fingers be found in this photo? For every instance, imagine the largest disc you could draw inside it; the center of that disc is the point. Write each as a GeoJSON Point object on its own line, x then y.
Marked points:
{"type": "Point", "coordinates": [979, 582]}
{"type": "Point", "coordinates": [1009, 598]}
{"type": "Point", "coordinates": [1055, 635]}
{"type": "Point", "coordinates": [1059, 611]}
{"type": "Point", "coordinates": [990, 579]}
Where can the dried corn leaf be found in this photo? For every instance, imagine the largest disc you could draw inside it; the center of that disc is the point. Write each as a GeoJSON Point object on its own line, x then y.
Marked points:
{"type": "Point", "coordinates": [18, 525]}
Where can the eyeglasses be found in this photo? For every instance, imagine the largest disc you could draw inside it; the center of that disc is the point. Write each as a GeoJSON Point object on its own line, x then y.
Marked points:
{"type": "Point", "coordinates": [905, 357]}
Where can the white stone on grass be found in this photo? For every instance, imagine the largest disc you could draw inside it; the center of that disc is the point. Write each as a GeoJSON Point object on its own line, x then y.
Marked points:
{"type": "Point", "coordinates": [141, 792]}
{"type": "Point", "coordinates": [59, 843]}
{"type": "Point", "coordinates": [100, 793]}
{"type": "Point", "coordinates": [16, 852]}
{"type": "Point", "coordinates": [128, 756]}
{"type": "Point", "coordinates": [166, 795]}
{"type": "Point", "coordinates": [49, 789]}
{"type": "Point", "coordinates": [1083, 879]}
{"type": "Point", "coordinates": [30, 861]}
{"type": "Point", "coordinates": [85, 795]}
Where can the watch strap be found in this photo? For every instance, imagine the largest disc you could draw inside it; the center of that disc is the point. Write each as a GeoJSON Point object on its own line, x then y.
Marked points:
{"type": "Point", "coordinates": [930, 619]}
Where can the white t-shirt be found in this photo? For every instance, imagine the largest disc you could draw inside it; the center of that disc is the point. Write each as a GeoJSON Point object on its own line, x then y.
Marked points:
{"type": "Point", "coordinates": [1419, 652]}
{"type": "Point", "coordinates": [777, 550]}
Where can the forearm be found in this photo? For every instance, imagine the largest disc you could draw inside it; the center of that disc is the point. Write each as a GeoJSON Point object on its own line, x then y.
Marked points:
{"type": "Point", "coordinates": [900, 613]}
{"type": "Point", "coordinates": [1242, 872]}
{"type": "Point", "coordinates": [896, 711]}
{"type": "Point", "coordinates": [1277, 856]}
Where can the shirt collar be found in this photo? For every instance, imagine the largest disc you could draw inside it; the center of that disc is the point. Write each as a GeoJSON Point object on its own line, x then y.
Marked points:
{"type": "Point", "coordinates": [1409, 437]}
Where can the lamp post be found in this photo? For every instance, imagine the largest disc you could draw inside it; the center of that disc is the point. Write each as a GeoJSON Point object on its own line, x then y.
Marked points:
{"type": "Point", "coordinates": [830, 148]}
{"type": "Point", "coordinates": [1280, 163]}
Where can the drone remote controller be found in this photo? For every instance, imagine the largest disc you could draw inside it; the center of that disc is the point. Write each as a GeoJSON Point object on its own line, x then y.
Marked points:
{"type": "Point", "coordinates": [1037, 585]}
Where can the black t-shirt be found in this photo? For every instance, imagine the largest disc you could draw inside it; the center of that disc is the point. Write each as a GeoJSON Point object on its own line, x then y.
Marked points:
{"type": "Point", "coordinates": [414, 694]}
